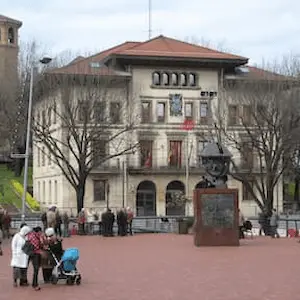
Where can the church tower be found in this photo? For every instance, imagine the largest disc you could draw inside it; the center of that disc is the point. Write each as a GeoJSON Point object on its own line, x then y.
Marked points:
{"type": "Point", "coordinates": [9, 49]}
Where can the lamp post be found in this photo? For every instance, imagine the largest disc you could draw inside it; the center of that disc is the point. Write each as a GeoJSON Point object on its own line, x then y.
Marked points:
{"type": "Point", "coordinates": [44, 60]}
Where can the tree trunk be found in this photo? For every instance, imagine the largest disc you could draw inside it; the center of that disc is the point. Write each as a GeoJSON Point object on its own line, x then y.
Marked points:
{"type": "Point", "coordinates": [80, 191]}
{"type": "Point", "coordinates": [296, 192]}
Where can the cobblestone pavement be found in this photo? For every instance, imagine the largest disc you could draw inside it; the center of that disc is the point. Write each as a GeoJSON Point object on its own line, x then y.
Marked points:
{"type": "Point", "coordinates": [149, 267]}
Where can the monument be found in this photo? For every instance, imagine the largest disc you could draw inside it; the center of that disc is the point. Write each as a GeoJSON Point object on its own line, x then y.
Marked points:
{"type": "Point", "coordinates": [216, 206]}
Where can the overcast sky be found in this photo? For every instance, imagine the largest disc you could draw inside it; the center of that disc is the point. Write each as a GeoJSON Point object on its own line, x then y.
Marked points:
{"type": "Point", "coordinates": [256, 29]}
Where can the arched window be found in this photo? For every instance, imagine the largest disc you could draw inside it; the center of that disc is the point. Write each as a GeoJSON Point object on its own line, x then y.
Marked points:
{"type": "Point", "coordinates": [183, 79]}
{"type": "Point", "coordinates": [156, 78]}
{"type": "Point", "coordinates": [192, 79]}
{"type": "Point", "coordinates": [165, 79]}
{"type": "Point", "coordinates": [174, 78]}
{"type": "Point", "coordinates": [11, 35]}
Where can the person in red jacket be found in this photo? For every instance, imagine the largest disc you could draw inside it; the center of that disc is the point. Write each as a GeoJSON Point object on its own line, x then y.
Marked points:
{"type": "Point", "coordinates": [37, 239]}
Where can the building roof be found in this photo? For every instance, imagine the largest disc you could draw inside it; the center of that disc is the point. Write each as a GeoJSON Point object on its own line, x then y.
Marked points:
{"type": "Point", "coordinates": [159, 47]}
{"type": "Point", "coordinates": [163, 46]}
{"type": "Point", "coordinates": [5, 19]}
{"type": "Point", "coordinates": [254, 73]}
{"type": "Point", "coordinates": [84, 66]}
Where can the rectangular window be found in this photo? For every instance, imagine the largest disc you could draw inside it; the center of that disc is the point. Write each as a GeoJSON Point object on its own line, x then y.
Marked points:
{"type": "Point", "coordinates": [55, 192]}
{"type": "Point", "coordinates": [39, 193]}
{"type": "Point", "coordinates": [38, 157]}
{"type": "Point", "coordinates": [49, 159]}
{"type": "Point", "coordinates": [99, 190]}
{"type": "Point", "coordinates": [54, 113]}
{"type": "Point", "coordinates": [161, 112]}
{"type": "Point", "coordinates": [247, 157]}
{"type": "Point", "coordinates": [188, 107]}
{"type": "Point", "coordinates": [99, 152]}
{"type": "Point", "coordinates": [246, 119]}
{"type": "Point", "coordinates": [44, 191]}
{"type": "Point", "coordinates": [99, 111]}
{"type": "Point", "coordinates": [43, 156]}
{"type": "Point", "coordinates": [201, 145]}
{"type": "Point", "coordinates": [49, 116]}
{"type": "Point", "coordinates": [175, 154]}
{"type": "Point", "coordinates": [232, 115]}
{"type": "Point", "coordinates": [115, 112]}
{"type": "Point", "coordinates": [83, 111]}
{"type": "Point", "coordinates": [204, 113]}
{"type": "Point", "coordinates": [50, 192]}
{"type": "Point", "coordinates": [43, 118]}
{"type": "Point", "coordinates": [146, 153]}
{"type": "Point", "coordinates": [247, 195]}
{"type": "Point", "coordinates": [146, 112]}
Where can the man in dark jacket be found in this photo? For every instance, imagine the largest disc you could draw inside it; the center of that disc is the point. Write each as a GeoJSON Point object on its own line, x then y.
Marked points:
{"type": "Point", "coordinates": [122, 222]}
{"type": "Point", "coordinates": [111, 221]}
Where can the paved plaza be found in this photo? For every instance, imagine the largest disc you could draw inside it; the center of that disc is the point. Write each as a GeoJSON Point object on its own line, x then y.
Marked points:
{"type": "Point", "coordinates": [169, 267]}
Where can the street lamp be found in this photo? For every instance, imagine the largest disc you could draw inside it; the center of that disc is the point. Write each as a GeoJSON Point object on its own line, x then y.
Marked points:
{"type": "Point", "coordinates": [45, 61]}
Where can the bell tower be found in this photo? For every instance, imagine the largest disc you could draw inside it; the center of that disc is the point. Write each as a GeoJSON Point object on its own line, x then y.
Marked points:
{"type": "Point", "coordinates": [9, 49]}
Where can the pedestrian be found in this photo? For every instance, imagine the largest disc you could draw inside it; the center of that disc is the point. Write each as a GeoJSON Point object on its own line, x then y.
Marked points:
{"type": "Point", "coordinates": [19, 260]}
{"type": "Point", "coordinates": [44, 220]}
{"type": "Point", "coordinates": [241, 225]}
{"type": "Point", "coordinates": [58, 222]}
{"type": "Point", "coordinates": [122, 222]}
{"type": "Point", "coordinates": [129, 220]}
{"type": "Point", "coordinates": [90, 221]}
{"type": "Point", "coordinates": [274, 220]}
{"type": "Point", "coordinates": [104, 223]}
{"type": "Point", "coordinates": [51, 217]}
{"type": "Point", "coordinates": [65, 221]}
{"type": "Point", "coordinates": [261, 222]}
{"type": "Point", "coordinates": [37, 240]}
{"type": "Point", "coordinates": [81, 219]}
{"type": "Point", "coordinates": [111, 221]}
{"type": "Point", "coordinates": [6, 225]}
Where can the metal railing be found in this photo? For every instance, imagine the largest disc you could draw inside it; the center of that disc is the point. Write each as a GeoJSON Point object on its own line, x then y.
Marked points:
{"type": "Point", "coordinates": [162, 224]}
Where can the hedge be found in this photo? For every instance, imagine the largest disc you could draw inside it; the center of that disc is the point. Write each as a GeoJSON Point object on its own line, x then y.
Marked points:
{"type": "Point", "coordinates": [32, 203]}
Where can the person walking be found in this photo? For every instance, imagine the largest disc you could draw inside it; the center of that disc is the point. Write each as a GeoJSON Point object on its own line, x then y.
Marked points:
{"type": "Point", "coordinates": [19, 260]}
{"type": "Point", "coordinates": [36, 239]}
{"type": "Point", "coordinates": [274, 220]}
{"type": "Point", "coordinates": [241, 225]}
{"type": "Point", "coordinates": [6, 225]}
{"type": "Point", "coordinates": [90, 221]}
{"type": "Point", "coordinates": [65, 221]}
{"type": "Point", "coordinates": [81, 222]}
{"type": "Point", "coordinates": [129, 213]}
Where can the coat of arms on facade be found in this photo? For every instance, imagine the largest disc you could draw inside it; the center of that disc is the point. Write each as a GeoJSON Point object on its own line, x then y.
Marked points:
{"type": "Point", "coordinates": [175, 105]}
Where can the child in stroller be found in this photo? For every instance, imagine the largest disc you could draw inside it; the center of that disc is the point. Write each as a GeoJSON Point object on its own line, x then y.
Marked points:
{"type": "Point", "coordinates": [66, 267]}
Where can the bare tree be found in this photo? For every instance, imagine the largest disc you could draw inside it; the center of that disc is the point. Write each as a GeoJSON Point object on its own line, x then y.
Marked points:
{"type": "Point", "coordinates": [261, 126]}
{"type": "Point", "coordinates": [91, 122]}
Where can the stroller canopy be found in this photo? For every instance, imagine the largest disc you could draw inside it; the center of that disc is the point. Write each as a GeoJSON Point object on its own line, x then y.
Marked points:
{"type": "Point", "coordinates": [70, 254]}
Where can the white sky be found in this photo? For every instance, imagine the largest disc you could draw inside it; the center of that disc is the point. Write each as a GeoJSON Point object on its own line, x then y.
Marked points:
{"type": "Point", "coordinates": [256, 29]}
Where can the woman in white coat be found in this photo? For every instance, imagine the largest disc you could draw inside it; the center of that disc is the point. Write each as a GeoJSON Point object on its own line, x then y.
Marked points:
{"type": "Point", "coordinates": [19, 260]}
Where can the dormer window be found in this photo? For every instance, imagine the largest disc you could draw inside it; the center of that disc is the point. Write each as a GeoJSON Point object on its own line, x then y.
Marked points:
{"type": "Point", "coordinates": [95, 64]}
{"type": "Point", "coordinates": [11, 35]}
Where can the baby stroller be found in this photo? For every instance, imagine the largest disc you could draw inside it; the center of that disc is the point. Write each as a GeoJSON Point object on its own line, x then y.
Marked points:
{"type": "Point", "coordinates": [66, 267]}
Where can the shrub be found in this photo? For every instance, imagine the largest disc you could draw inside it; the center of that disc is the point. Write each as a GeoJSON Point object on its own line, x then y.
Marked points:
{"type": "Point", "coordinates": [18, 188]}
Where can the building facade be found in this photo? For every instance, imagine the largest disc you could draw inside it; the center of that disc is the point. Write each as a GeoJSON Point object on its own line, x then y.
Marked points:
{"type": "Point", "coordinates": [175, 89]}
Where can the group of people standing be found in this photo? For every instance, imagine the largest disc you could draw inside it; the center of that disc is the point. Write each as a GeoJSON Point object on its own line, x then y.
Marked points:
{"type": "Point", "coordinates": [41, 242]}
{"type": "Point", "coordinates": [53, 219]}
{"type": "Point", "coordinates": [88, 217]}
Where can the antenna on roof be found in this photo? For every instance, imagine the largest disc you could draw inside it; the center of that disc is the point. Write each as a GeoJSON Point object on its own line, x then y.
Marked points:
{"type": "Point", "coordinates": [150, 18]}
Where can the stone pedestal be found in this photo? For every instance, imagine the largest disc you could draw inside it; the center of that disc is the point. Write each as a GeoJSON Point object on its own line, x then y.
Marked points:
{"type": "Point", "coordinates": [216, 217]}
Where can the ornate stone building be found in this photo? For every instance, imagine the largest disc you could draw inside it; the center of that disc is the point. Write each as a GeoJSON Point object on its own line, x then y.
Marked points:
{"type": "Point", "coordinates": [169, 82]}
